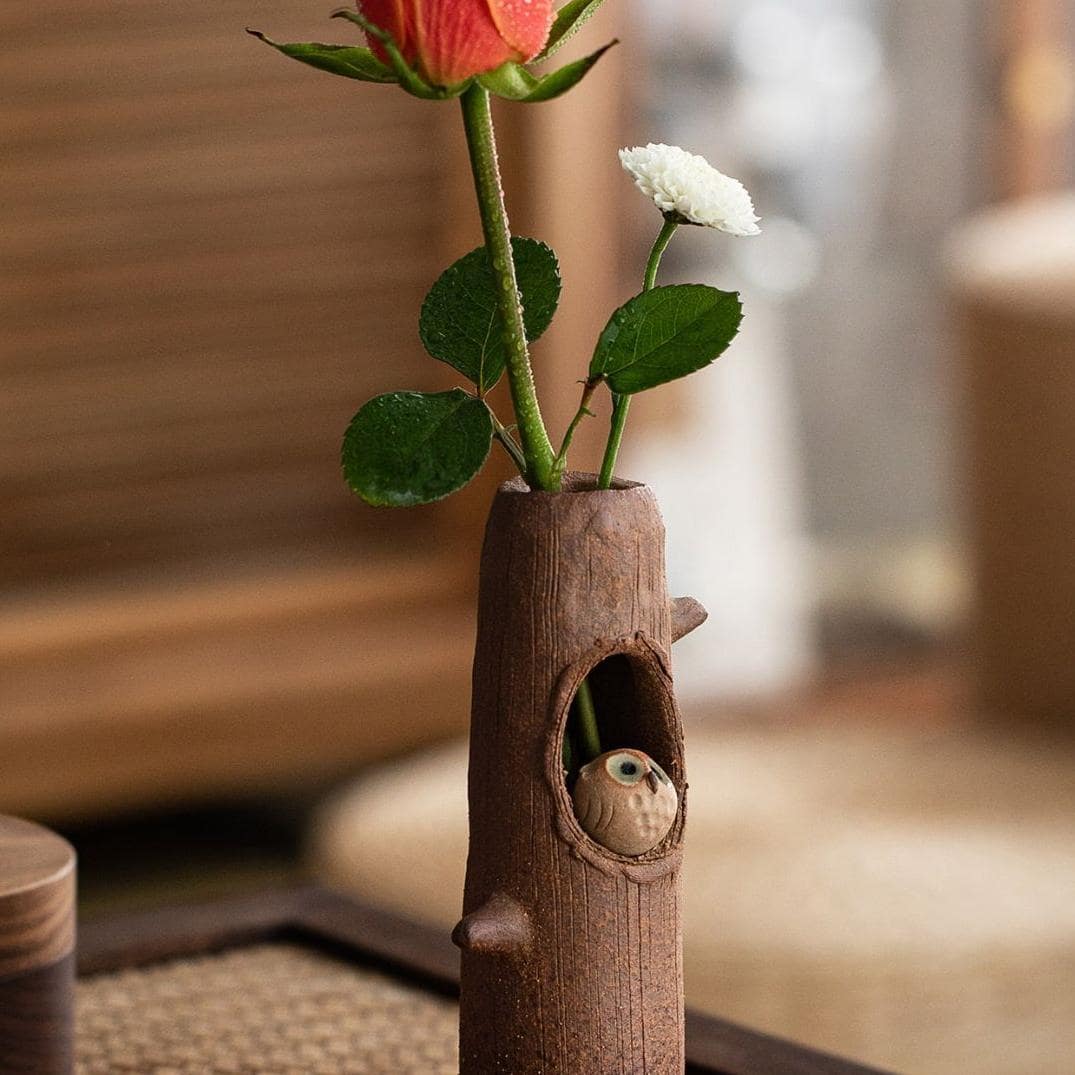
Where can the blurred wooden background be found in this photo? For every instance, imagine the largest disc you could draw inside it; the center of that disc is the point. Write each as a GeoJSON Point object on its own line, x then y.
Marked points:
{"type": "Point", "coordinates": [212, 257]}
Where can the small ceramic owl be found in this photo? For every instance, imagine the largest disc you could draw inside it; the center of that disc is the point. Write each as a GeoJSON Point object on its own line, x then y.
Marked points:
{"type": "Point", "coordinates": [625, 801]}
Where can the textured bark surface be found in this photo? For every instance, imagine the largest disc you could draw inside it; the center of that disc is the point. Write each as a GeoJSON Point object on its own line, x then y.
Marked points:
{"type": "Point", "coordinates": [572, 955]}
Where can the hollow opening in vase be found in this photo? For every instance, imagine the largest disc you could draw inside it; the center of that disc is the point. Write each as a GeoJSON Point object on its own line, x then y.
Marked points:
{"type": "Point", "coordinates": [634, 711]}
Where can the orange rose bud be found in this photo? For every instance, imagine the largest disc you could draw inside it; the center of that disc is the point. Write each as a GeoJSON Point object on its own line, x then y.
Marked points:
{"type": "Point", "coordinates": [449, 41]}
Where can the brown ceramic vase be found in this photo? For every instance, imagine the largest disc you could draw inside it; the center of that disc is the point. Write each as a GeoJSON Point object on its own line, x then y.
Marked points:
{"type": "Point", "coordinates": [571, 954]}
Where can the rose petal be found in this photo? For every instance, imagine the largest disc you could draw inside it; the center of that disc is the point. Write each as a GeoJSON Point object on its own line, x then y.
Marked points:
{"type": "Point", "coordinates": [394, 17]}
{"type": "Point", "coordinates": [456, 39]}
{"type": "Point", "coordinates": [452, 40]}
{"type": "Point", "coordinates": [524, 24]}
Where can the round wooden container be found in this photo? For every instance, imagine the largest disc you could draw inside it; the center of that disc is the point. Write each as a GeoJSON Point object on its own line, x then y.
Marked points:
{"type": "Point", "coordinates": [37, 945]}
{"type": "Point", "coordinates": [1012, 272]}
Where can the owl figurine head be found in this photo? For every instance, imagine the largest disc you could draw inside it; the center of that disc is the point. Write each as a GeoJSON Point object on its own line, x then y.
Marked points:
{"type": "Point", "coordinates": [625, 802]}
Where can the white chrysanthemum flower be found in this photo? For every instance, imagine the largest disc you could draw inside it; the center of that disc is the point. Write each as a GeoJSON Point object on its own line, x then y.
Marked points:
{"type": "Point", "coordinates": [688, 186]}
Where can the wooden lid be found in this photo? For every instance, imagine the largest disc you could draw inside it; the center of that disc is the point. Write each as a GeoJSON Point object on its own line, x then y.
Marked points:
{"type": "Point", "coordinates": [37, 897]}
{"type": "Point", "coordinates": [1018, 257]}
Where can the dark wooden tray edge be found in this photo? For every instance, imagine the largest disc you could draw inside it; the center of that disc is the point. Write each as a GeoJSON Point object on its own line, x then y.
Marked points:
{"type": "Point", "coordinates": [407, 949]}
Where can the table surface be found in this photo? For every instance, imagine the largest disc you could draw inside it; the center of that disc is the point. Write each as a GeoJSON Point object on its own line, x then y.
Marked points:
{"type": "Point", "coordinates": [307, 982]}
{"type": "Point", "coordinates": [275, 1008]}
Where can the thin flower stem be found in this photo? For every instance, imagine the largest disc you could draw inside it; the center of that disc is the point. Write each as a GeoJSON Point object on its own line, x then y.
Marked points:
{"type": "Point", "coordinates": [568, 753]}
{"type": "Point", "coordinates": [586, 717]}
{"type": "Point", "coordinates": [655, 255]}
{"type": "Point", "coordinates": [540, 469]}
{"type": "Point", "coordinates": [622, 404]}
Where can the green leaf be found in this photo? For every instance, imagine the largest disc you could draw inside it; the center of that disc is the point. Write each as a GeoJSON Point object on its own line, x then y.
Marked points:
{"type": "Point", "coordinates": [408, 448]}
{"type": "Point", "coordinates": [514, 83]}
{"type": "Point", "coordinates": [566, 78]}
{"type": "Point", "coordinates": [346, 60]}
{"type": "Point", "coordinates": [664, 334]}
{"type": "Point", "coordinates": [461, 323]}
{"type": "Point", "coordinates": [571, 18]}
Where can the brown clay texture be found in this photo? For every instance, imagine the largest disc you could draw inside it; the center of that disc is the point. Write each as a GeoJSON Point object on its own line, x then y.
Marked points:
{"type": "Point", "coordinates": [571, 958]}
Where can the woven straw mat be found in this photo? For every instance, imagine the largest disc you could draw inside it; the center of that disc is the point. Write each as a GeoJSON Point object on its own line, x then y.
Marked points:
{"type": "Point", "coordinates": [269, 1009]}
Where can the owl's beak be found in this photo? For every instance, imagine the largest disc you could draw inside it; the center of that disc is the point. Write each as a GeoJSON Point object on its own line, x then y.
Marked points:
{"type": "Point", "coordinates": [654, 783]}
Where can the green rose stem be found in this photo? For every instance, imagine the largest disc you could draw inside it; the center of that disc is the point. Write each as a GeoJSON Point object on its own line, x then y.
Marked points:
{"type": "Point", "coordinates": [622, 404]}
{"type": "Point", "coordinates": [540, 463]}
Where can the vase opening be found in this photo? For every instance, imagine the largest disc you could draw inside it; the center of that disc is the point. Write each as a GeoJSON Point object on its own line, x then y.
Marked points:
{"type": "Point", "coordinates": [573, 482]}
{"type": "Point", "coordinates": [634, 711]}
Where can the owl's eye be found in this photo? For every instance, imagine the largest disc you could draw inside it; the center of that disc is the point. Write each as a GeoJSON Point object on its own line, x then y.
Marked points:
{"type": "Point", "coordinates": [624, 768]}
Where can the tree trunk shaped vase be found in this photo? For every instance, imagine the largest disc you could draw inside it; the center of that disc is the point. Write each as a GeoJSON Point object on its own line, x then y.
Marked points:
{"type": "Point", "coordinates": [571, 953]}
